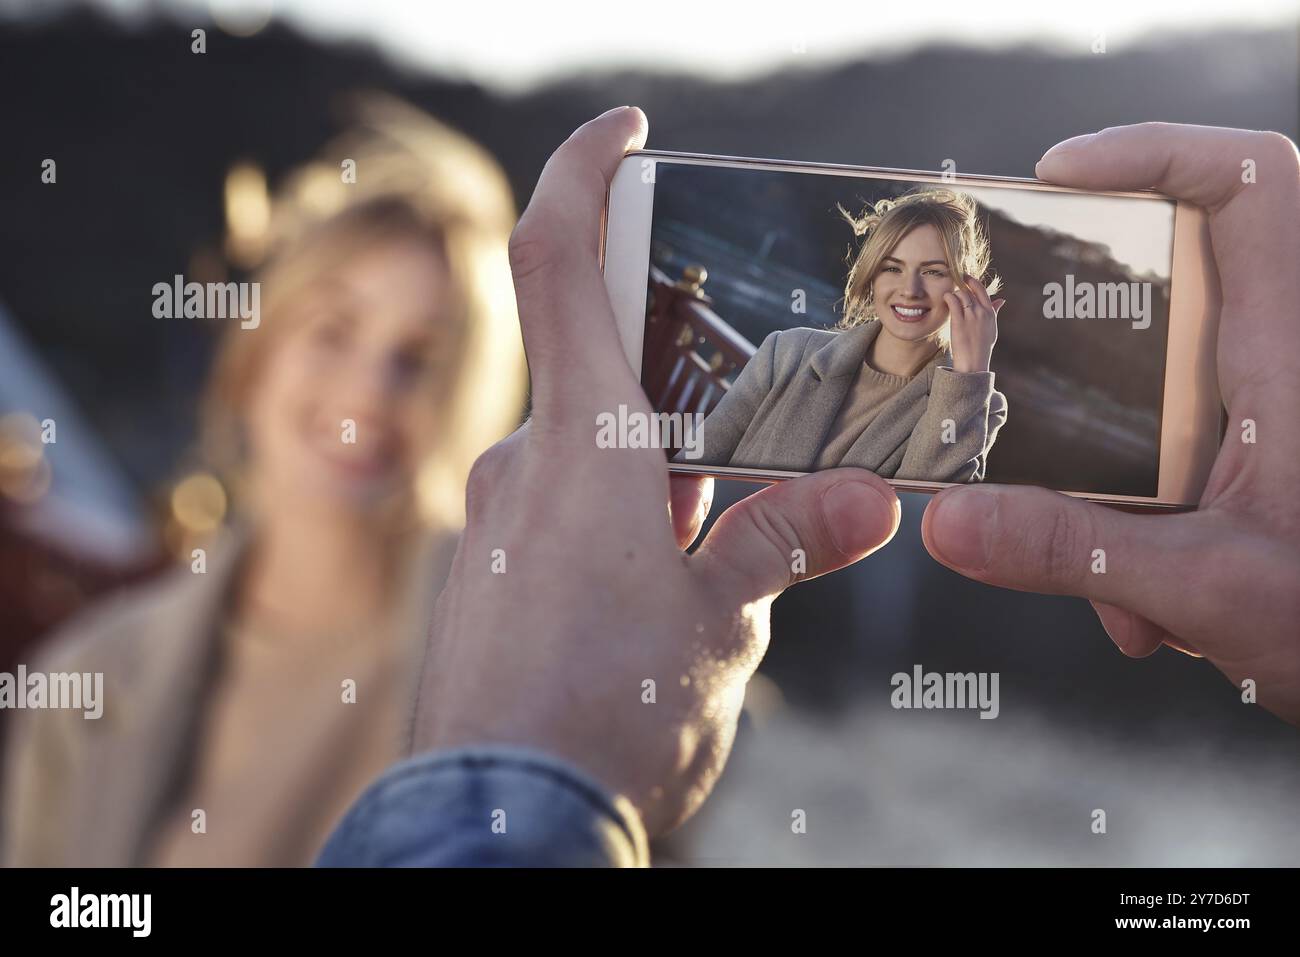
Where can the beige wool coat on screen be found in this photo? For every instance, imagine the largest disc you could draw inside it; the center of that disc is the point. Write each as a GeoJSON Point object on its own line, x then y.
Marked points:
{"type": "Point", "coordinates": [777, 413]}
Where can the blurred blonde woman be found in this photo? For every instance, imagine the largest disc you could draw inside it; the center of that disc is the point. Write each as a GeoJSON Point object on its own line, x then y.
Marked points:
{"type": "Point", "coordinates": [903, 387]}
{"type": "Point", "coordinates": [249, 698]}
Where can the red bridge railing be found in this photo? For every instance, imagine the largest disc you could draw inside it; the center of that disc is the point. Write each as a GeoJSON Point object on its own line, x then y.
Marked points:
{"type": "Point", "coordinates": [691, 355]}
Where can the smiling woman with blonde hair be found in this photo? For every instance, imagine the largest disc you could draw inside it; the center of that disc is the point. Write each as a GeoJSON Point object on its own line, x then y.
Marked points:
{"type": "Point", "coordinates": [903, 386]}
{"type": "Point", "coordinates": [251, 695]}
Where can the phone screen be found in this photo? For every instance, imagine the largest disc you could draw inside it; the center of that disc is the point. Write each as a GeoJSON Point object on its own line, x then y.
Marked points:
{"type": "Point", "coordinates": [796, 321]}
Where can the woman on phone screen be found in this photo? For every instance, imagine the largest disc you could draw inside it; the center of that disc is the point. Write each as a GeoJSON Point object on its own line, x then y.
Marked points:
{"type": "Point", "coordinates": [902, 387]}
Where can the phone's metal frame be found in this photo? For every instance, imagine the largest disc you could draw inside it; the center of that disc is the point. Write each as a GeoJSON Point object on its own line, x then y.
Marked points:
{"type": "Point", "coordinates": [1193, 420]}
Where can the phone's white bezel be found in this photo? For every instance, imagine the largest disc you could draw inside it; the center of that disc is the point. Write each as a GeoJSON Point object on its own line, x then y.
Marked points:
{"type": "Point", "coordinates": [1192, 421]}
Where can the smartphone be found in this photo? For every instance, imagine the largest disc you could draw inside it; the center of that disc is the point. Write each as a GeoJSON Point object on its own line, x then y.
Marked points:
{"type": "Point", "coordinates": [786, 317]}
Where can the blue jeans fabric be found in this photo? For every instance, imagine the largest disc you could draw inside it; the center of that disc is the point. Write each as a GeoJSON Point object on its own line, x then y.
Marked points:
{"type": "Point", "coordinates": [486, 807]}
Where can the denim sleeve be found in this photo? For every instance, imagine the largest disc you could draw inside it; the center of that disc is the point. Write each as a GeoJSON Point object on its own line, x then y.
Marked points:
{"type": "Point", "coordinates": [486, 807]}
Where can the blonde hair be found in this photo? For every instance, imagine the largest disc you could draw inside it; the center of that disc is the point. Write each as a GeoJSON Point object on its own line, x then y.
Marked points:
{"type": "Point", "coordinates": [413, 177]}
{"type": "Point", "coordinates": [955, 215]}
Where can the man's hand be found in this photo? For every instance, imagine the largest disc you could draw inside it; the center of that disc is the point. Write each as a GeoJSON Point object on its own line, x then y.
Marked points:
{"type": "Point", "coordinates": [572, 620]}
{"type": "Point", "coordinates": [1224, 581]}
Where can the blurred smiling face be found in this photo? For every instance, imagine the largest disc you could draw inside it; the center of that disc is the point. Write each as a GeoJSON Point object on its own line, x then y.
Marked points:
{"type": "Point", "coordinates": [369, 346]}
{"type": "Point", "coordinates": [908, 288]}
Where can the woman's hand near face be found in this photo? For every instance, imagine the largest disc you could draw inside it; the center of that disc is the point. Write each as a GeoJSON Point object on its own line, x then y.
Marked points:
{"type": "Point", "coordinates": [974, 325]}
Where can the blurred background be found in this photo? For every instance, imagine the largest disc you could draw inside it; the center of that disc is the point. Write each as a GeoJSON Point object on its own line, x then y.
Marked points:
{"type": "Point", "coordinates": [166, 156]}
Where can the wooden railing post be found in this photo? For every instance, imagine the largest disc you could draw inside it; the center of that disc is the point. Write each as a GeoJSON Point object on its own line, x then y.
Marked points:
{"type": "Point", "coordinates": [691, 354]}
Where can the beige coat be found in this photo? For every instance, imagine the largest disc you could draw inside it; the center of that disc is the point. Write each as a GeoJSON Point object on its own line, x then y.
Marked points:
{"type": "Point", "coordinates": [777, 414]}
{"type": "Point", "coordinates": [91, 792]}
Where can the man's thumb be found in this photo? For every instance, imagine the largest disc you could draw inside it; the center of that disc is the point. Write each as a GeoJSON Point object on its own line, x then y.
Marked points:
{"type": "Point", "coordinates": [1036, 540]}
{"type": "Point", "coordinates": [798, 529]}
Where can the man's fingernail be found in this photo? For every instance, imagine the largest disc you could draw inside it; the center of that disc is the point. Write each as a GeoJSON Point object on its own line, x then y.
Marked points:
{"type": "Point", "coordinates": [855, 516]}
{"type": "Point", "coordinates": [1073, 142]}
{"type": "Point", "coordinates": [706, 504]}
{"type": "Point", "coordinates": [963, 526]}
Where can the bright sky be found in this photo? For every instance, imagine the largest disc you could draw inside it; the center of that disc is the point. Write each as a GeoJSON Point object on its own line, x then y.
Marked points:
{"type": "Point", "coordinates": [511, 44]}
